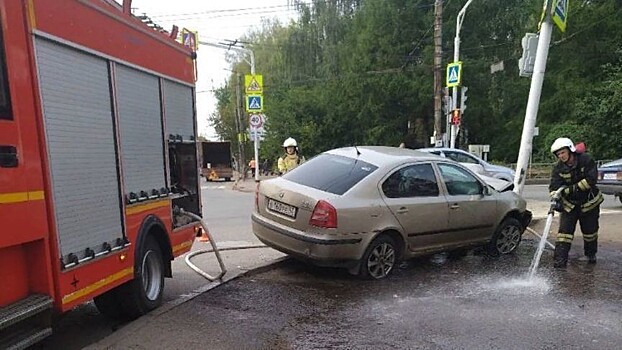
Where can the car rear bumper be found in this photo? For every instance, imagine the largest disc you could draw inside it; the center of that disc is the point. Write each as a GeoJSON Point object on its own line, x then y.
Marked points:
{"type": "Point", "coordinates": [323, 251]}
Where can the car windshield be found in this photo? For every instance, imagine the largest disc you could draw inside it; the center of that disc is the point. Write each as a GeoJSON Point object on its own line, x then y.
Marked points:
{"type": "Point", "coordinates": [331, 173]}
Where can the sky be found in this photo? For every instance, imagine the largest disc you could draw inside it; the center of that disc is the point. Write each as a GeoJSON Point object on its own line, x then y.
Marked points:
{"type": "Point", "coordinates": [216, 21]}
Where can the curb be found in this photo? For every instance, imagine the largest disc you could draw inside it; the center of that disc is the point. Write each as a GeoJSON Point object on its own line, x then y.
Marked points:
{"type": "Point", "coordinates": [130, 329]}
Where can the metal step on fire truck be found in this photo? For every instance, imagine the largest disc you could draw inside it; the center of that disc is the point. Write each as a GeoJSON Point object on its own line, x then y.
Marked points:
{"type": "Point", "coordinates": [98, 162]}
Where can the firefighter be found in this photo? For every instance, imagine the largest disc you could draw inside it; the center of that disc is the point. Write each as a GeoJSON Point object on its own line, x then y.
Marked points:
{"type": "Point", "coordinates": [580, 200]}
{"type": "Point", "coordinates": [291, 158]}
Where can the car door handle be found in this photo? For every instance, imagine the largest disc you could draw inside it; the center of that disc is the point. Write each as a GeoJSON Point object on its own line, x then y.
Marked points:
{"type": "Point", "coordinates": [8, 156]}
{"type": "Point", "coordinates": [454, 206]}
{"type": "Point", "coordinates": [402, 210]}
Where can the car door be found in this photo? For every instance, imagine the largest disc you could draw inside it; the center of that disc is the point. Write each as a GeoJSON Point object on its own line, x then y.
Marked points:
{"type": "Point", "coordinates": [472, 211]}
{"type": "Point", "coordinates": [412, 194]}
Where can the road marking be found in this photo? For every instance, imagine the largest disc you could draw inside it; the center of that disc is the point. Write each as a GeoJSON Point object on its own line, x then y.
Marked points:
{"type": "Point", "coordinates": [213, 187]}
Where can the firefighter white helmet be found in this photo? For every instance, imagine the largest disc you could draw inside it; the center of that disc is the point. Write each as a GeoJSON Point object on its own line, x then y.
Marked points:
{"type": "Point", "coordinates": [290, 142]}
{"type": "Point", "coordinates": [562, 142]}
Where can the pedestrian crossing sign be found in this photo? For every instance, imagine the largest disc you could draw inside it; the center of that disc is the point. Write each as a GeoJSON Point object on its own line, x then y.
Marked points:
{"type": "Point", "coordinates": [253, 84]}
{"type": "Point", "coordinates": [559, 12]}
{"type": "Point", "coordinates": [454, 74]}
{"type": "Point", "coordinates": [254, 103]}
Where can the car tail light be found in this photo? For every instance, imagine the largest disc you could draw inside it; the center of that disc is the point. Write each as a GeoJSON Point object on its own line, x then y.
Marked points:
{"type": "Point", "coordinates": [324, 215]}
{"type": "Point", "coordinates": [257, 196]}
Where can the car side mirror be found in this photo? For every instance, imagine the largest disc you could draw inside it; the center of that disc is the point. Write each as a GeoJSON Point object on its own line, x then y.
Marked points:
{"type": "Point", "coordinates": [486, 191]}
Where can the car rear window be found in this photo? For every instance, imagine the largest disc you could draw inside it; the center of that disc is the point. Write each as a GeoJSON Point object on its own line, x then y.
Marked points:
{"type": "Point", "coordinates": [331, 173]}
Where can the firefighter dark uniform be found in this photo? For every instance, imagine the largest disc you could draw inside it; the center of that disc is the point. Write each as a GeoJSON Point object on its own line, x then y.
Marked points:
{"type": "Point", "coordinates": [580, 201]}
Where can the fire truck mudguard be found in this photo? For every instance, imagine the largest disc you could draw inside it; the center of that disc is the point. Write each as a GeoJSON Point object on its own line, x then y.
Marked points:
{"type": "Point", "coordinates": [151, 265]}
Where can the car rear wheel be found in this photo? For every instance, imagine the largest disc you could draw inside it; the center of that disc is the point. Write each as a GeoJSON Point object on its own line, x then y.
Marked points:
{"type": "Point", "coordinates": [506, 238]}
{"type": "Point", "coordinates": [379, 259]}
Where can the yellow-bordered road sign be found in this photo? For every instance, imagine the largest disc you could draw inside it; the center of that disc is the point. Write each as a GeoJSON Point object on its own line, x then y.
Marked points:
{"type": "Point", "coordinates": [559, 13]}
{"type": "Point", "coordinates": [454, 74]}
{"type": "Point", "coordinates": [253, 84]}
{"type": "Point", "coordinates": [254, 103]}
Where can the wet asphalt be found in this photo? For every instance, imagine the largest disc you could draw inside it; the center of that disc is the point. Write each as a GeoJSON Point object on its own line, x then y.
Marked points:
{"type": "Point", "coordinates": [435, 302]}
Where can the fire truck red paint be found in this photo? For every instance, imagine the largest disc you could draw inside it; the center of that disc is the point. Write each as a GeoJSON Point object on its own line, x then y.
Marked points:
{"type": "Point", "coordinates": [97, 157]}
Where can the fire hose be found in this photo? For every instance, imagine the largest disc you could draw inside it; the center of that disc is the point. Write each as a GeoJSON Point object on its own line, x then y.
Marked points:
{"type": "Point", "coordinates": [214, 249]}
{"type": "Point", "coordinates": [555, 198]}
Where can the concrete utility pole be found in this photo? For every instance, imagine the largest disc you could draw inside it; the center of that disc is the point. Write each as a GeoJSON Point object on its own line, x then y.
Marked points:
{"type": "Point", "coordinates": [537, 79]}
{"type": "Point", "coordinates": [454, 93]}
{"type": "Point", "coordinates": [438, 52]}
{"type": "Point", "coordinates": [239, 126]}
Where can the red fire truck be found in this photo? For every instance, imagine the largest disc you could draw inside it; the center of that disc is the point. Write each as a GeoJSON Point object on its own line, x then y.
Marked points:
{"type": "Point", "coordinates": [98, 162]}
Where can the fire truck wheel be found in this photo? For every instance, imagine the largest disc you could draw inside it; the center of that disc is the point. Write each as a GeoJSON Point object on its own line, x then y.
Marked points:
{"type": "Point", "coordinates": [144, 292]}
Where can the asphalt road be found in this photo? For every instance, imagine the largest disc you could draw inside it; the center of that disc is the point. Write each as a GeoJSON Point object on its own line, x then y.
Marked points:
{"type": "Point", "coordinates": [227, 213]}
{"type": "Point", "coordinates": [430, 303]}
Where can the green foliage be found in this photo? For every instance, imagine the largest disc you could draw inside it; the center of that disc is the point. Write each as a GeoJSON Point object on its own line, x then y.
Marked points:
{"type": "Point", "coordinates": [354, 72]}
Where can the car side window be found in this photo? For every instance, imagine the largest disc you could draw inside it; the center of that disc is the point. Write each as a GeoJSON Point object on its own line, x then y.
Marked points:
{"type": "Point", "coordinates": [460, 157]}
{"type": "Point", "coordinates": [412, 181]}
{"type": "Point", "coordinates": [459, 181]}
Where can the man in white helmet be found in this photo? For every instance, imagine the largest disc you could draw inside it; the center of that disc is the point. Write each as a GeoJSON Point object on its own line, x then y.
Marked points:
{"type": "Point", "coordinates": [291, 158]}
{"type": "Point", "coordinates": [580, 200]}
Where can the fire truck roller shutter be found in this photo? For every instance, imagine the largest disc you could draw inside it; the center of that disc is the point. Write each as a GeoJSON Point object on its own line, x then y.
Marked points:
{"type": "Point", "coordinates": [178, 110]}
{"type": "Point", "coordinates": [140, 119]}
{"type": "Point", "coordinates": [75, 94]}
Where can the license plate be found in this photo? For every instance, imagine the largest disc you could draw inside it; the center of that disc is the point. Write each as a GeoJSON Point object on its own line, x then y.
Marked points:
{"type": "Point", "coordinates": [609, 176]}
{"type": "Point", "coordinates": [282, 208]}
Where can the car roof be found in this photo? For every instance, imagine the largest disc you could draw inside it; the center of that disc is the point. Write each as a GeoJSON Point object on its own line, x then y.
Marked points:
{"type": "Point", "coordinates": [383, 155]}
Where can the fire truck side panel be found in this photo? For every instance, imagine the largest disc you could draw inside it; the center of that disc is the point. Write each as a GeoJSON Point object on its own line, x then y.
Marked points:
{"type": "Point", "coordinates": [100, 106]}
{"type": "Point", "coordinates": [80, 139]}
{"type": "Point", "coordinates": [117, 36]}
{"type": "Point", "coordinates": [142, 139]}
{"type": "Point", "coordinates": [178, 102]}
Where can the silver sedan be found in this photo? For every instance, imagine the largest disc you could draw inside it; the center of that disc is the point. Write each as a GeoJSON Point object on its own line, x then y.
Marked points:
{"type": "Point", "coordinates": [366, 208]}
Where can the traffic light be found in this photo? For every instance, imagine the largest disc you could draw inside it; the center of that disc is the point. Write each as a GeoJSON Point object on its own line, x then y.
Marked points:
{"type": "Point", "coordinates": [527, 61]}
{"type": "Point", "coordinates": [463, 98]}
{"type": "Point", "coordinates": [455, 117]}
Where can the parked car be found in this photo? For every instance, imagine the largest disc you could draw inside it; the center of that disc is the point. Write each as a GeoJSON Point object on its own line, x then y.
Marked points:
{"type": "Point", "coordinates": [610, 178]}
{"type": "Point", "coordinates": [474, 163]}
{"type": "Point", "coordinates": [366, 208]}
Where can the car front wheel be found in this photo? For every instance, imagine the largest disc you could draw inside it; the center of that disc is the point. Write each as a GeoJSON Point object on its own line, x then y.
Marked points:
{"type": "Point", "coordinates": [379, 259]}
{"type": "Point", "coordinates": [506, 238]}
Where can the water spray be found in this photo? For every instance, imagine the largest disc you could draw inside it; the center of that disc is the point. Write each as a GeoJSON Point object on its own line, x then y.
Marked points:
{"type": "Point", "coordinates": [555, 206]}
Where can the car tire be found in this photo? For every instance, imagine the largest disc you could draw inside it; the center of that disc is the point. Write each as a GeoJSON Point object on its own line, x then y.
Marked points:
{"type": "Point", "coordinates": [380, 258]}
{"type": "Point", "coordinates": [144, 292]}
{"type": "Point", "coordinates": [506, 238]}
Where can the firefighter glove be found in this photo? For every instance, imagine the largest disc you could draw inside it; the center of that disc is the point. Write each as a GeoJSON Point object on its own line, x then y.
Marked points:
{"type": "Point", "coordinates": [570, 190]}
